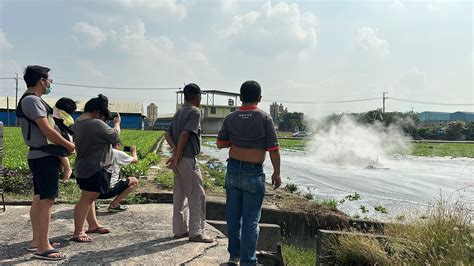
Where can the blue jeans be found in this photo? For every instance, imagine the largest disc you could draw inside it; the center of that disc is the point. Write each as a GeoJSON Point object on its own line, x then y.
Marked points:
{"type": "Point", "coordinates": [245, 189]}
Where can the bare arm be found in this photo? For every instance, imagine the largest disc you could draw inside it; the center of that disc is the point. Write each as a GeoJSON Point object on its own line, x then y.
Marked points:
{"type": "Point", "coordinates": [169, 139]}
{"type": "Point", "coordinates": [276, 161]}
{"type": "Point", "coordinates": [183, 139]}
{"type": "Point", "coordinates": [53, 135]}
{"type": "Point", "coordinates": [117, 121]}
{"type": "Point", "coordinates": [133, 151]}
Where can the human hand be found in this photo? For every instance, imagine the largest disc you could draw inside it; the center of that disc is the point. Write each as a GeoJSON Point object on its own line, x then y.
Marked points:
{"type": "Point", "coordinates": [276, 180]}
{"type": "Point", "coordinates": [172, 162]}
{"type": "Point", "coordinates": [71, 148]}
{"type": "Point", "coordinates": [117, 119]}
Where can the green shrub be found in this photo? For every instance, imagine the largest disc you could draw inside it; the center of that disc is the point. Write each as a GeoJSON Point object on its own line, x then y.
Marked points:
{"type": "Point", "coordinates": [135, 199]}
{"type": "Point", "coordinates": [164, 179]}
{"type": "Point", "coordinates": [290, 187]}
{"type": "Point", "coordinates": [330, 203]}
{"type": "Point", "coordinates": [294, 255]}
{"type": "Point", "coordinates": [20, 184]}
{"type": "Point", "coordinates": [443, 238]}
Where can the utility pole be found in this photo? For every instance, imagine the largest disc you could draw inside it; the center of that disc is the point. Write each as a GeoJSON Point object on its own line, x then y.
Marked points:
{"type": "Point", "coordinates": [16, 97]}
{"type": "Point", "coordinates": [383, 109]}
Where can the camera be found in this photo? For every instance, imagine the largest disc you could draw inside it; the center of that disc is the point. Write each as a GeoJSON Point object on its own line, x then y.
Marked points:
{"type": "Point", "coordinates": [126, 148]}
{"type": "Point", "coordinates": [113, 115]}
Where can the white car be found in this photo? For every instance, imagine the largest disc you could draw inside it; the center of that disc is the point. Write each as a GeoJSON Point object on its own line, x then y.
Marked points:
{"type": "Point", "coordinates": [300, 134]}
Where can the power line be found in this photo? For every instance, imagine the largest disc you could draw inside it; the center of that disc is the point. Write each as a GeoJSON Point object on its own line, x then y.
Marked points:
{"type": "Point", "coordinates": [433, 103]}
{"type": "Point", "coordinates": [106, 87]}
{"type": "Point", "coordinates": [113, 88]}
{"type": "Point", "coordinates": [326, 102]}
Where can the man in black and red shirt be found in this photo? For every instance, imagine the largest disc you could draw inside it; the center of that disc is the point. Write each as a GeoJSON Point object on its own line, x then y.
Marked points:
{"type": "Point", "coordinates": [249, 133]}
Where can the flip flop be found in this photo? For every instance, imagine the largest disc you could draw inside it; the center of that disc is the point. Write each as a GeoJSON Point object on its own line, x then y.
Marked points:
{"type": "Point", "coordinates": [80, 239]}
{"type": "Point", "coordinates": [119, 208]}
{"type": "Point", "coordinates": [46, 255]}
{"type": "Point", "coordinates": [99, 230]}
{"type": "Point", "coordinates": [51, 242]}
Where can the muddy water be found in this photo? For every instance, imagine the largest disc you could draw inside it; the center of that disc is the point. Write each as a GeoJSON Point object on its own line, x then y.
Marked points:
{"type": "Point", "coordinates": [403, 185]}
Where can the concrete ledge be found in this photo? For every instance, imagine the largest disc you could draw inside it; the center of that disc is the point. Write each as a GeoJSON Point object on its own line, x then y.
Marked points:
{"type": "Point", "coordinates": [268, 239]}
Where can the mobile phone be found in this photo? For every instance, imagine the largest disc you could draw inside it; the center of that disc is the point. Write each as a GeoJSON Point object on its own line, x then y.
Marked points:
{"type": "Point", "coordinates": [126, 148]}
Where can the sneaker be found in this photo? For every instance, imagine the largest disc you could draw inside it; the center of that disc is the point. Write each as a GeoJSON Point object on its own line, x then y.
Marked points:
{"type": "Point", "coordinates": [201, 239]}
{"type": "Point", "coordinates": [233, 261]}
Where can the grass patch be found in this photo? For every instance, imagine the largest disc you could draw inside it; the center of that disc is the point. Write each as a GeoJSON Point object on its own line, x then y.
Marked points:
{"type": "Point", "coordinates": [69, 191]}
{"type": "Point", "coordinates": [443, 149]}
{"type": "Point", "coordinates": [135, 199]}
{"type": "Point", "coordinates": [164, 179]}
{"type": "Point", "coordinates": [293, 255]}
{"type": "Point", "coordinates": [290, 144]}
{"type": "Point", "coordinates": [293, 144]}
{"type": "Point", "coordinates": [330, 203]}
{"type": "Point", "coordinates": [213, 174]}
{"type": "Point", "coordinates": [443, 238]}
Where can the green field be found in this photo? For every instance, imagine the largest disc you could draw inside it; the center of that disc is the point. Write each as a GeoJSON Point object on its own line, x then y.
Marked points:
{"type": "Point", "coordinates": [418, 149]}
{"type": "Point", "coordinates": [15, 149]}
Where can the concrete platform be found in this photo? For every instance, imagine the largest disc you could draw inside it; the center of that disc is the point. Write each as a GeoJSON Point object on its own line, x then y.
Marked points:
{"type": "Point", "coordinates": [140, 235]}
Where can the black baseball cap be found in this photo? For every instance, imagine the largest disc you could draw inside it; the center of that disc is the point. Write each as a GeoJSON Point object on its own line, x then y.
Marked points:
{"type": "Point", "coordinates": [191, 89]}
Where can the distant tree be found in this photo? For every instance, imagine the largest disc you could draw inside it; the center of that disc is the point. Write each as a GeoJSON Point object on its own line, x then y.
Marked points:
{"type": "Point", "coordinates": [292, 121]}
{"type": "Point", "coordinates": [470, 131]}
{"type": "Point", "coordinates": [455, 130]}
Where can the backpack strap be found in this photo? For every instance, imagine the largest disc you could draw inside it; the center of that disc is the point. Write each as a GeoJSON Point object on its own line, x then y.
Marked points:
{"type": "Point", "coordinates": [19, 112]}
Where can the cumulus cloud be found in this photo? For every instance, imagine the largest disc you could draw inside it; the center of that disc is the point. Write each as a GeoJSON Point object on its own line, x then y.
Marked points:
{"type": "Point", "coordinates": [155, 55]}
{"type": "Point", "coordinates": [273, 29]}
{"type": "Point", "coordinates": [4, 43]}
{"type": "Point", "coordinates": [88, 35]}
{"type": "Point", "coordinates": [164, 9]}
{"type": "Point", "coordinates": [368, 40]}
{"type": "Point", "coordinates": [228, 6]}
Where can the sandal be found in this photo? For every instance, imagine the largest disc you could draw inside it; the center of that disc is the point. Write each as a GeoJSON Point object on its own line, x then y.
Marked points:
{"type": "Point", "coordinates": [119, 208]}
{"type": "Point", "coordinates": [47, 255]}
{"type": "Point", "coordinates": [51, 242]}
{"type": "Point", "coordinates": [99, 230]}
{"type": "Point", "coordinates": [81, 239]}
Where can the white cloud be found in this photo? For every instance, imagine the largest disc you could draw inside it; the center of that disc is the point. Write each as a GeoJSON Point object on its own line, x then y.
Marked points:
{"type": "Point", "coordinates": [88, 35]}
{"type": "Point", "coordinates": [273, 29]}
{"type": "Point", "coordinates": [157, 55]}
{"type": "Point", "coordinates": [398, 4]}
{"type": "Point", "coordinates": [165, 9]}
{"type": "Point", "coordinates": [4, 43]}
{"type": "Point", "coordinates": [228, 6]}
{"type": "Point", "coordinates": [368, 40]}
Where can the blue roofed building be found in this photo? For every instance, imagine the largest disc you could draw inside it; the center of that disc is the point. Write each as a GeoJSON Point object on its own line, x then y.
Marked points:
{"type": "Point", "coordinates": [462, 116]}
{"type": "Point", "coordinates": [433, 117]}
{"type": "Point", "coordinates": [131, 111]}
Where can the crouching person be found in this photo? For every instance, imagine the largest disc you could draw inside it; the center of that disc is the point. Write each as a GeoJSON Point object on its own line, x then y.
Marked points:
{"type": "Point", "coordinates": [120, 188]}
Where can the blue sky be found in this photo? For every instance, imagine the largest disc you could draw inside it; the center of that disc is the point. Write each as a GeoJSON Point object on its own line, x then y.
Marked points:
{"type": "Point", "coordinates": [301, 51]}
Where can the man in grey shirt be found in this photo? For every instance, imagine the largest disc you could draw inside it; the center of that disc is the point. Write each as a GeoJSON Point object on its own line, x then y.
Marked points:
{"type": "Point", "coordinates": [34, 115]}
{"type": "Point", "coordinates": [183, 136]}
